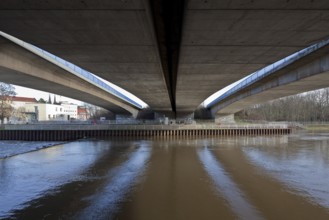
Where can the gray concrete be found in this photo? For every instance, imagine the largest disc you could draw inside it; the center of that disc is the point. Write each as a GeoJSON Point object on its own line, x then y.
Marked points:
{"type": "Point", "coordinates": [21, 67]}
{"type": "Point", "coordinates": [112, 39]}
{"type": "Point", "coordinates": [222, 41]}
{"type": "Point", "coordinates": [306, 74]}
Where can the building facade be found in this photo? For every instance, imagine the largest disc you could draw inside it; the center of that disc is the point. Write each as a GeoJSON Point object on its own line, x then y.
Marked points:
{"type": "Point", "coordinates": [46, 112]}
{"type": "Point", "coordinates": [18, 114]}
{"type": "Point", "coordinates": [20, 102]}
{"type": "Point", "coordinates": [24, 110]}
{"type": "Point", "coordinates": [83, 113]}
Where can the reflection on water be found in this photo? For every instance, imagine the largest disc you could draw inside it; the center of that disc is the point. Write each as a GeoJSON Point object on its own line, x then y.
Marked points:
{"type": "Point", "coordinates": [104, 204]}
{"type": "Point", "coordinates": [226, 187]}
{"type": "Point", "coordinates": [257, 177]}
{"type": "Point", "coordinates": [304, 169]}
{"type": "Point", "coordinates": [29, 176]}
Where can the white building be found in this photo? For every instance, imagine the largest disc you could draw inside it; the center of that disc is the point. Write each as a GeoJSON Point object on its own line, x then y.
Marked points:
{"type": "Point", "coordinates": [45, 111]}
{"type": "Point", "coordinates": [70, 109]}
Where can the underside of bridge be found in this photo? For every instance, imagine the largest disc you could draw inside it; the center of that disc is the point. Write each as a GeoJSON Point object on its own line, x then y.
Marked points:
{"type": "Point", "coordinates": [307, 73]}
{"type": "Point", "coordinates": [172, 54]}
{"type": "Point", "coordinates": [22, 67]}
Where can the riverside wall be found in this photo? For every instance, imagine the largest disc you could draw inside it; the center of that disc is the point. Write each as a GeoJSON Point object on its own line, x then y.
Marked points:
{"type": "Point", "coordinates": [72, 132]}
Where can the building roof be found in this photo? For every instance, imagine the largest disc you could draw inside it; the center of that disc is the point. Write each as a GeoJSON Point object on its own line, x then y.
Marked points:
{"type": "Point", "coordinates": [23, 99]}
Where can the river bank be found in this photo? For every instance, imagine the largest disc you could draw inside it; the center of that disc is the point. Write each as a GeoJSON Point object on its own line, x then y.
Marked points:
{"type": "Point", "coordinates": [317, 127]}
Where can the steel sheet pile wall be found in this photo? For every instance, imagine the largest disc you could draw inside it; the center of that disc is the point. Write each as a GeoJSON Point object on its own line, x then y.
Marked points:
{"type": "Point", "coordinates": [66, 135]}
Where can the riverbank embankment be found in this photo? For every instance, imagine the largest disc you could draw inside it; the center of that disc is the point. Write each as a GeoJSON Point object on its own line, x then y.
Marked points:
{"type": "Point", "coordinates": [66, 132]}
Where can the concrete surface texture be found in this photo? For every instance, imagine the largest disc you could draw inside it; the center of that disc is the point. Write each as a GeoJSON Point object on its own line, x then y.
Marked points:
{"type": "Point", "coordinates": [221, 41]}
{"type": "Point", "coordinates": [21, 67]}
{"type": "Point", "coordinates": [306, 74]}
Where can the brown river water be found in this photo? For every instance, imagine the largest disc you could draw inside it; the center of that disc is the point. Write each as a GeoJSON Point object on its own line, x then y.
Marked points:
{"type": "Point", "coordinates": [255, 177]}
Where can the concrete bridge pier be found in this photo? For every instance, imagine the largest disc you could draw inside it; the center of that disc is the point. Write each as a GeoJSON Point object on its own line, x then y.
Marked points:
{"type": "Point", "coordinates": [203, 113]}
{"type": "Point", "coordinates": [147, 114]}
{"type": "Point", "coordinates": [207, 114]}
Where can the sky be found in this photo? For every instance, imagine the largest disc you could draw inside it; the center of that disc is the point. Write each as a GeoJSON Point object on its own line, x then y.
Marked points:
{"type": "Point", "coordinates": [32, 93]}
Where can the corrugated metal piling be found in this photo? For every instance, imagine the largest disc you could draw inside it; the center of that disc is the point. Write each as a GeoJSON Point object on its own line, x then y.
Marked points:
{"type": "Point", "coordinates": [66, 133]}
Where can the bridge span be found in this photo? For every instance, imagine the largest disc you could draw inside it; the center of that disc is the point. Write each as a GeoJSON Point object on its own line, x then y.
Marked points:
{"type": "Point", "coordinates": [22, 67]}
{"type": "Point", "coordinates": [172, 54]}
{"type": "Point", "coordinates": [304, 71]}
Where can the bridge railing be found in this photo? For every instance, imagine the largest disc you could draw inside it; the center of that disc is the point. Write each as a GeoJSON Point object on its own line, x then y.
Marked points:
{"type": "Point", "coordinates": [84, 74]}
{"type": "Point", "coordinates": [254, 77]}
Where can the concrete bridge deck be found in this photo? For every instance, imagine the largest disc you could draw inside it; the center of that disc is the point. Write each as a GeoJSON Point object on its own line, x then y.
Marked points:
{"type": "Point", "coordinates": [22, 67]}
{"type": "Point", "coordinates": [172, 54]}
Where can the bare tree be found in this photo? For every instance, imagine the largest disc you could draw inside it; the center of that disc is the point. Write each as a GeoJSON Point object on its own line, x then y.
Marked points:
{"type": "Point", "coordinates": [18, 115]}
{"type": "Point", "coordinates": [7, 91]}
{"type": "Point", "coordinates": [97, 112]}
{"type": "Point", "coordinates": [92, 109]}
{"type": "Point", "coordinates": [311, 106]}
